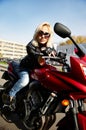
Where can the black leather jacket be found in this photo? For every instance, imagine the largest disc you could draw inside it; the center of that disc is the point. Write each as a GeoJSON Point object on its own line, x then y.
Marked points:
{"type": "Point", "coordinates": [29, 62]}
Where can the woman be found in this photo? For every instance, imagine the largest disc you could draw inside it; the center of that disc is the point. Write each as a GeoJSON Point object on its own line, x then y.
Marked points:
{"type": "Point", "coordinates": [42, 39]}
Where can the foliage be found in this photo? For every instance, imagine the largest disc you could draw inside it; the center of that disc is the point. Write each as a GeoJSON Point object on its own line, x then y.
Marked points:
{"type": "Point", "coordinates": [78, 39]}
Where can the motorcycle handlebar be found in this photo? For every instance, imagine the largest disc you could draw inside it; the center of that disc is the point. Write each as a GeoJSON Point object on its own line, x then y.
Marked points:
{"type": "Point", "coordinates": [51, 57]}
{"type": "Point", "coordinates": [57, 59]}
{"type": "Point", "coordinates": [39, 53]}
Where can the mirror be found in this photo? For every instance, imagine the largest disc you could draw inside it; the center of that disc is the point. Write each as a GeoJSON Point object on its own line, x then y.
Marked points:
{"type": "Point", "coordinates": [62, 30]}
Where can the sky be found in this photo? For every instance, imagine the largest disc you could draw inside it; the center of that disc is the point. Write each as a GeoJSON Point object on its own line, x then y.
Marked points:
{"type": "Point", "coordinates": [19, 18]}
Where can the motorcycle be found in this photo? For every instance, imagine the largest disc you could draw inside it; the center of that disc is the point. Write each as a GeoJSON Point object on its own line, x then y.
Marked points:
{"type": "Point", "coordinates": [59, 91]}
{"type": "Point", "coordinates": [23, 105]}
{"type": "Point", "coordinates": [57, 87]}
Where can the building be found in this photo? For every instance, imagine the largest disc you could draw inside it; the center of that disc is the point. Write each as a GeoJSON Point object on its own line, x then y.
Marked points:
{"type": "Point", "coordinates": [11, 50]}
{"type": "Point", "coordinates": [69, 48]}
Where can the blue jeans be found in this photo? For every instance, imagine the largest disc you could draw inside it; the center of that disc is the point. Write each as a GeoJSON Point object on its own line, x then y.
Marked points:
{"type": "Point", "coordinates": [22, 82]}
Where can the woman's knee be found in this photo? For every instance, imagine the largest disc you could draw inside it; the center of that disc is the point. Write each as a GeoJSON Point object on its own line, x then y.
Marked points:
{"type": "Point", "coordinates": [25, 80]}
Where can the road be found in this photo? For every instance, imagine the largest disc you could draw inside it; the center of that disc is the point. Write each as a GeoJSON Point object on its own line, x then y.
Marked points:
{"type": "Point", "coordinates": [17, 124]}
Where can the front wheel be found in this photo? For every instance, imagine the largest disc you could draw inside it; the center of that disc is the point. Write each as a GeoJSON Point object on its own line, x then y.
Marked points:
{"type": "Point", "coordinates": [34, 124]}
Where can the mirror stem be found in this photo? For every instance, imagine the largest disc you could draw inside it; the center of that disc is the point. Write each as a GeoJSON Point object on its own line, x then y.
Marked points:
{"type": "Point", "coordinates": [80, 50]}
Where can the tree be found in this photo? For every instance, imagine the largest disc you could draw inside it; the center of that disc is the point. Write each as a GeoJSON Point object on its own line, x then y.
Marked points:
{"type": "Point", "coordinates": [78, 39]}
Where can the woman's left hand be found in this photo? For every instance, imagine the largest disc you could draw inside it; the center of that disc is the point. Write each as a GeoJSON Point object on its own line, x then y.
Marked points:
{"type": "Point", "coordinates": [53, 53]}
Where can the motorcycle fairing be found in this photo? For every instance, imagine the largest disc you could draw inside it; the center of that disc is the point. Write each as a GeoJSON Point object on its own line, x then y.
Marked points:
{"type": "Point", "coordinates": [78, 69]}
{"type": "Point", "coordinates": [77, 95]}
{"type": "Point", "coordinates": [50, 79]}
{"type": "Point", "coordinates": [58, 81]}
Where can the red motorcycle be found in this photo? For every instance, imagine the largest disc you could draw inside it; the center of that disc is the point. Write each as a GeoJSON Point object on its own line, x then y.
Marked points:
{"type": "Point", "coordinates": [55, 87]}
{"type": "Point", "coordinates": [55, 91]}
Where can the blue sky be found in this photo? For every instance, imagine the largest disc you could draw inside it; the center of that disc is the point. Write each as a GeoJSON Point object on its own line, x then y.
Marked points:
{"type": "Point", "coordinates": [19, 18]}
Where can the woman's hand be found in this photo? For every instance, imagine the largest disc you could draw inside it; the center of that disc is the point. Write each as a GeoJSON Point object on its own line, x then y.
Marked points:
{"type": "Point", "coordinates": [53, 53]}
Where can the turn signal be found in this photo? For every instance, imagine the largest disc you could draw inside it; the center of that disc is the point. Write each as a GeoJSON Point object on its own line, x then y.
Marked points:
{"type": "Point", "coordinates": [65, 102]}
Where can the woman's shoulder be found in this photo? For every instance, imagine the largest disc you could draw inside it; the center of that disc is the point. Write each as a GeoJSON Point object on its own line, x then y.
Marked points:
{"type": "Point", "coordinates": [33, 43]}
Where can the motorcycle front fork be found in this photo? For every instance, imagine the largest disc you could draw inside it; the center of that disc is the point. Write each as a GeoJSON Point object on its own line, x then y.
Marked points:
{"type": "Point", "coordinates": [76, 107]}
{"type": "Point", "coordinates": [48, 103]}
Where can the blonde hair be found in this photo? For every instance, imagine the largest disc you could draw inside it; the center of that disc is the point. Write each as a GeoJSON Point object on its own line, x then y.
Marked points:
{"type": "Point", "coordinates": [49, 43]}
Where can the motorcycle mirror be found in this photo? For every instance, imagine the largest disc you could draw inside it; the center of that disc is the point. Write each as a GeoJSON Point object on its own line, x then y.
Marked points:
{"type": "Point", "coordinates": [65, 32]}
{"type": "Point", "coordinates": [62, 30]}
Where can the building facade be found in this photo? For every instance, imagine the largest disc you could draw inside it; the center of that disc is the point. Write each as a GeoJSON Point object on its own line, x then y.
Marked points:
{"type": "Point", "coordinates": [68, 48]}
{"type": "Point", "coordinates": [12, 50]}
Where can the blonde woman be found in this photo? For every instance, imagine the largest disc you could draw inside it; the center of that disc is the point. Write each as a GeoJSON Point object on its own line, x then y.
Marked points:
{"type": "Point", "coordinates": [42, 39]}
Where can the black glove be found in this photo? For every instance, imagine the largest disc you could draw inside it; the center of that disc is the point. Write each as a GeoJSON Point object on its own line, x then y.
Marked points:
{"type": "Point", "coordinates": [62, 55]}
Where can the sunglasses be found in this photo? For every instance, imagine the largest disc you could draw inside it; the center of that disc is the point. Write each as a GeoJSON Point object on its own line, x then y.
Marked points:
{"type": "Point", "coordinates": [45, 34]}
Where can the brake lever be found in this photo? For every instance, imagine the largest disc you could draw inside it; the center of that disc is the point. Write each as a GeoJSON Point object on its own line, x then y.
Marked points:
{"type": "Point", "coordinates": [51, 57]}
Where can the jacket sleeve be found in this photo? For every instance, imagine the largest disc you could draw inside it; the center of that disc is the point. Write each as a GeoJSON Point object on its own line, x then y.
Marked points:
{"type": "Point", "coordinates": [30, 48]}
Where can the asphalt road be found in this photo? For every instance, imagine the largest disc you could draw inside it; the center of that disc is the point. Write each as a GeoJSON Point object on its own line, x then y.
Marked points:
{"type": "Point", "coordinates": [17, 124]}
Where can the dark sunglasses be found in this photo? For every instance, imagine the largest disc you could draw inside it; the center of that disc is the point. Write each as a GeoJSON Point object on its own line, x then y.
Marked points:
{"type": "Point", "coordinates": [46, 34]}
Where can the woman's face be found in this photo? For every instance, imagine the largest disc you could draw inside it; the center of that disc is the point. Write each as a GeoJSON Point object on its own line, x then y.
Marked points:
{"type": "Point", "coordinates": [43, 35]}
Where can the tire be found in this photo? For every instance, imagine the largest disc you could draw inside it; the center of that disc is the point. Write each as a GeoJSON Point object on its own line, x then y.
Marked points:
{"type": "Point", "coordinates": [32, 120]}
{"type": "Point", "coordinates": [35, 126]}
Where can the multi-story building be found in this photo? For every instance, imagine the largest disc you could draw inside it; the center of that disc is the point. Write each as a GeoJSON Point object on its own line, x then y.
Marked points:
{"type": "Point", "coordinates": [68, 48]}
{"type": "Point", "coordinates": [12, 50]}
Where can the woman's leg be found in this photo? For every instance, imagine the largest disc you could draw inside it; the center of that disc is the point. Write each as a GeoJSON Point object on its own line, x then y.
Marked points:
{"type": "Point", "coordinates": [22, 82]}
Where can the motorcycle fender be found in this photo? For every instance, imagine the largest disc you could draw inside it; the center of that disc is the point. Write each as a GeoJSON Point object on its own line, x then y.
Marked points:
{"type": "Point", "coordinates": [82, 120]}
{"type": "Point", "coordinates": [5, 75]}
